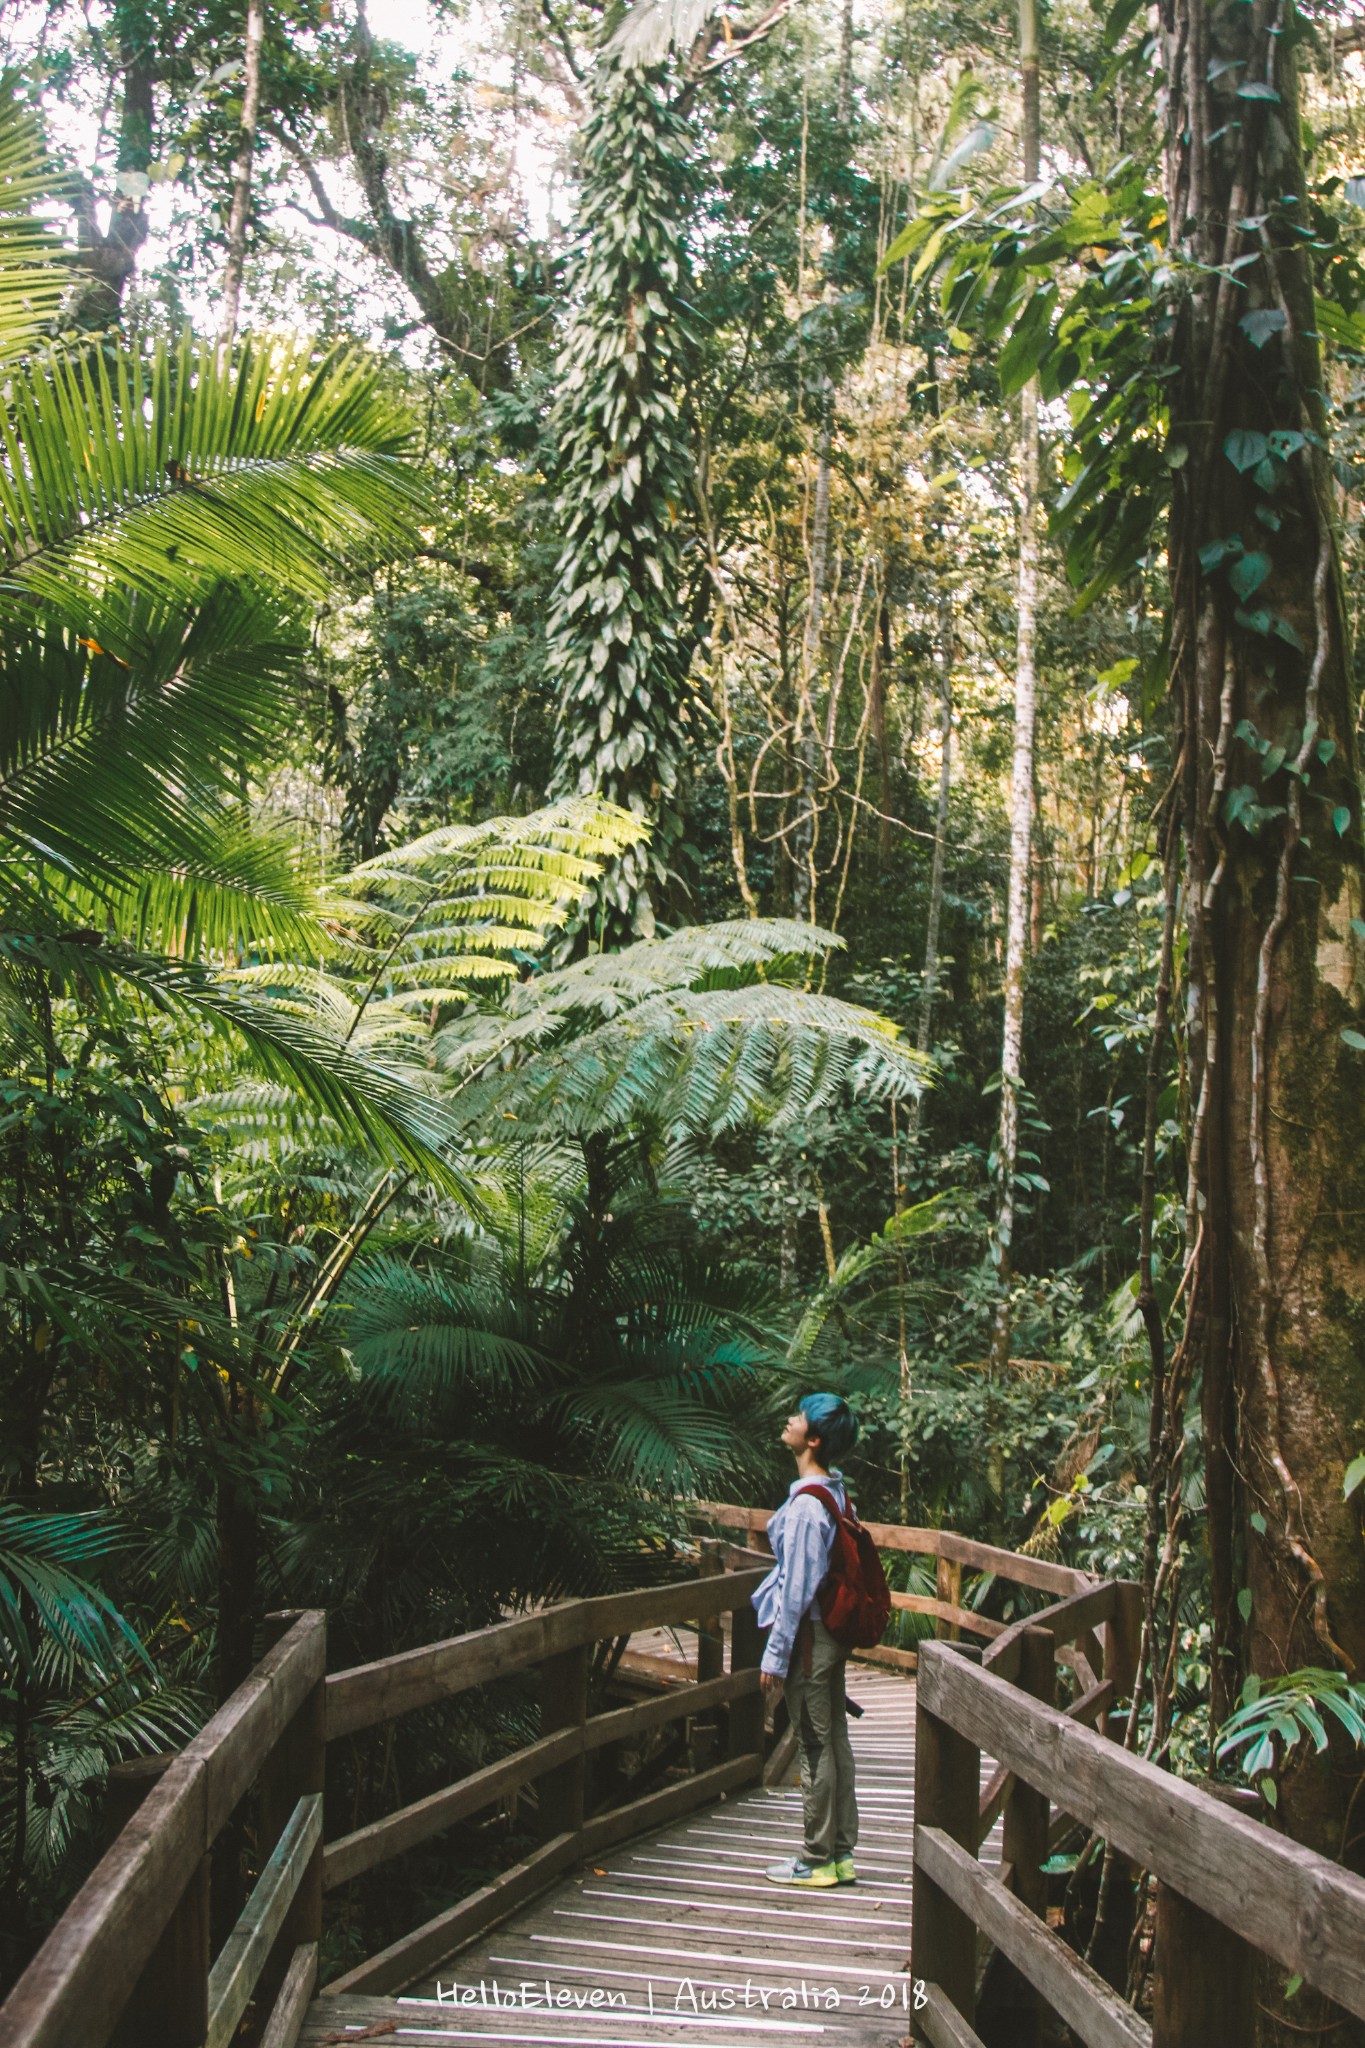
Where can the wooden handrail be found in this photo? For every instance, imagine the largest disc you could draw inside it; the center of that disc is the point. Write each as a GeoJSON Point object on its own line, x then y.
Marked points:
{"type": "Point", "coordinates": [369, 1693]}
{"type": "Point", "coordinates": [1270, 1894]}
{"type": "Point", "coordinates": [104, 1951]}
{"type": "Point", "coordinates": [82, 1978]}
{"type": "Point", "coordinates": [557, 1639]}
{"type": "Point", "coordinates": [1037, 1572]}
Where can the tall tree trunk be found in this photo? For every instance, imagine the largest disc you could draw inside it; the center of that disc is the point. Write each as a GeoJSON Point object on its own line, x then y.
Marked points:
{"type": "Point", "coordinates": [1021, 776]}
{"type": "Point", "coordinates": [946, 639]}
{"type": "Point", "coordinates": [240, 212]}
{"type": "Point", "coordinates": [1270, 815]}
{"type": "Point", "coordinates": [813, 765]}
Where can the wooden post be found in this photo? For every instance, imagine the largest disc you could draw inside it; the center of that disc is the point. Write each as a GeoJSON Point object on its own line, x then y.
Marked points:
{"type": "Point", "coordinates": [169, 2007]}
{"type": "Point", "coordinates": [1024, 1851]}
{"type": "Point", "coordinates": [296, 1766]}
{"type": "Point", "coordinates": [1122, 1640]}
{"type": "Point", "coordinates": [710, 1664]}
{"type": "Point", "coordinates": [947, 1796]}
{"type": "Point", "coordinates": [1204, 1985]}
{"type": "Point", "coordinates": [949, 1589]}
{"type": "Point", "coordinates": [564, 1704]}
{"type": "Point", "coordinates": [746, 1715]}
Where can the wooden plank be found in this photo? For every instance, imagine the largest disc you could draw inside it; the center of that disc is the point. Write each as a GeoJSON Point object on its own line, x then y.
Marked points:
{"type": "Point", "coordinates": [892, 1659]}
{"type": "Point", "coordinates": [1074, 1991]}
{"type": "Point", "coordinates": [1204, 1993]}
{"type": "Point", "coordinates": [346, 1857]}
{"type": "Point", "coordinates": [406, 1959]}
{"type": "Point", "coordinates": [1091, 1706]}
{"type": "Point", "coordinates": [981, 1557]}
{"type": "Point", "coordinates": [368, 1693]}
{"type": "Point", "coordinates": [1123, 1639]}
{"type": "Point", "coordinates": [1295, 1905]}
{"type": "Point", "coordinates": [82, 1976]}
{"type": "Point", "coordinates": [396, 1832]}
{"type": "Point", "coordinates": [295, 1769]}
{"type": "Point", "coordinates": [658, 1808]}
{"type": "Point", "coordinates": [290, 2009]}
{"type": "Point", "coordinates": [1067, 1621]}
{"type": "Point", "coordinates": [945, 1610]}
{"type": "Point", "coordinates": [940, 2023]}
{"type": "Point", "coordinates": [949, 1581]}
{"type": "Point", "coordinates": [171, 1996]}
{"type": "Point", "coordinates": [1023, 1849]}
{"type": "Point", "coordinates": [746, 1715]}
{"type": "Point", "coordinates": [233, 1976]}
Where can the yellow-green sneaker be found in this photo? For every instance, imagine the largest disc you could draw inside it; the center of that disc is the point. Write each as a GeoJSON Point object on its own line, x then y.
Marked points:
{"type": "Point", "coordinates": [812, 1877]}
{"type": "Point", "coordinates": [844, 1872]}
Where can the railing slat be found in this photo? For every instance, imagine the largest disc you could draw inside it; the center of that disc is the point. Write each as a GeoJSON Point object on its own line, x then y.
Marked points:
{"type": "Point", "coordinates": [245, 1952]}
{"type": "Point", "coordinates": [368, 1693]}
{"type": "Point", "coordinates": [1073, 1990]}
{"type": "Point", "coordinates": [290, 2009]}
{"type": "Point", "coordinates": [1282, 1898]}
{"type": "Point", "coordinates": [346, 1857]}
{"type": "Point", "coordinates": [941, 2024]}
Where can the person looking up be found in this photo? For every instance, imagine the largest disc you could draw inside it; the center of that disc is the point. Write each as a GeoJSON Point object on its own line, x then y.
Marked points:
{"type": "Point", "coordinates": [800, 1656]}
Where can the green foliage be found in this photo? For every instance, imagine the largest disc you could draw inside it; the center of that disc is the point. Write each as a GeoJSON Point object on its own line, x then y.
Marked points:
{"type": "Point", "coordinates": [49, 1611]}
{"type": "Point", "coordinates": [617, 648]}
{"type": "Point", "coordinates": [1278, 1715]}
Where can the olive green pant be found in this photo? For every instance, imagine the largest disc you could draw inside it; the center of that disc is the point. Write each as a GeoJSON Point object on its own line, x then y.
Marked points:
{"type": "Point", "coordinates": [815, 1701]}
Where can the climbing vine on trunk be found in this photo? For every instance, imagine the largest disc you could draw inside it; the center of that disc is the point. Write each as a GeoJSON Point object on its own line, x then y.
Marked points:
{"type": "Point", "coordinates": [619, 650]}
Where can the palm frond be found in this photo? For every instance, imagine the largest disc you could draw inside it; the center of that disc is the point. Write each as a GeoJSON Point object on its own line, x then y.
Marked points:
{"type": "Point", "coordinates": [46, 1599]}
{"type": "Point", "coordinates": [871, 1260]}
{"type": "Point", "coordinates": [168, 471]}
{"type": "Point", "coordinates": [397, 1112]}
{"type": "Point", "coordinates": [33, 276]}
{"type": "Point", "coordinates": [653, 29]}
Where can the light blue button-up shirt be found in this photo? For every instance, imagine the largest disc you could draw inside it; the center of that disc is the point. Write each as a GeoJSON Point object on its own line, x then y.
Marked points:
{"type": "Point", "coordinates": [802, 1536]}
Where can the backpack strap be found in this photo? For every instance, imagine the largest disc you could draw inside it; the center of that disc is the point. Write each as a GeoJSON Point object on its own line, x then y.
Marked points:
{"type": "Point", "coordinates": [827, 1500]}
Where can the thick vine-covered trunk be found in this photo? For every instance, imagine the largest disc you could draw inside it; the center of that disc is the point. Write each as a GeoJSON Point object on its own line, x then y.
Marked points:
{"type": "Point", "coordinates": [1269, 806]}
{"type": "Point", "coordinates": [618, 648]}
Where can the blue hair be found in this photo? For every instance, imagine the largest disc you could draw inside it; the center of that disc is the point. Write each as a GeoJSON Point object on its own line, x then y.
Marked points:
{"type": "Point", "coordinates": [831, 1419]}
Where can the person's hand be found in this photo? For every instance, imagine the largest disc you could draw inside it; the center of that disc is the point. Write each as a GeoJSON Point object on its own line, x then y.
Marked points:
{"type": "Point", "coordinates": [770, 1683]}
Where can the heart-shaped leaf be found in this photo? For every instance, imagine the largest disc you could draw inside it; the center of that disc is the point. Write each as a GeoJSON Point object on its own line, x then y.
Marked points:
{"type": "Point", "coordinates": [1244, 448]}
{"type": "Point", "coordinates": [1260, 325]}
{"type": "Point", "coordinates": [1247, 575]}
{"type": "Point", "coordinates": [1215, 551]}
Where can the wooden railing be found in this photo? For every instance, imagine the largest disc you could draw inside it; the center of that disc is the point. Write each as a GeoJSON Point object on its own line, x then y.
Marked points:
{"type": "Point", "coordinates": [559, 1640]}
{"type": "Point", "coordinates": [129, 1962]}
{"type": "Point", "coordinates": [131, 1952]}
{"type": "Point", "coordinates": [1227, 1887]}
{"type": "Point", "coordinates": [952, 1553]}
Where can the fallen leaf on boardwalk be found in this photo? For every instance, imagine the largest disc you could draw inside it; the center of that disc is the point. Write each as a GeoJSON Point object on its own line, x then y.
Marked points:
{"type": "Point", "coordinates": [366, 2033]}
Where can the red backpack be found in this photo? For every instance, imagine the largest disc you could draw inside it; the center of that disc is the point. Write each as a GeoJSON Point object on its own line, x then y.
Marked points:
{"type": "Point", "coordinates": [855, 1601]}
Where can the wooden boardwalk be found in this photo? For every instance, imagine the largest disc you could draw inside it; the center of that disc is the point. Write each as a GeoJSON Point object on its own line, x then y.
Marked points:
{"type": "Point", "coordinates": [676, 1937]}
